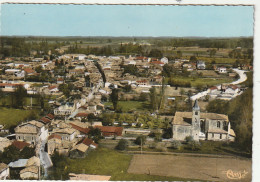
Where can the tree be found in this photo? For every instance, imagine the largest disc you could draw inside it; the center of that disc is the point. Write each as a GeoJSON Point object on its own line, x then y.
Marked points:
{"type": "Point", "coordinates": [114, 97]}
{"type": "Point", "coordinates": [127, 88]}
{"type": "Point", "coordinates": [182, 91]}
{"type": "Point", "coordinates": [167, 133]}
{"type": "Point", "coordinates": [122, 144]}
{"type": "Point", "coordinates": [27, 152]}
{"type": "Point", "coordinates": [156, 53]}
{"type": "Point", "coordinates": [212, 52]}
{"type": "Point", "coordinates": [95, 134]}
{"type": "Point", "coordinates": [18, 98]}
{"type": "Point", "coordinates": [153, 99]}
{"type": "Point", "coordinates": [65, 89]}
{"type": "Point", "coordinates": [140, 140]}
{"type": "Point", "coordinates": [10, 154]}
{"type": "Point", "coordinates": [193, 59]}
{"type": "Point", "coordinates": [131, 69]}
{"type": "Point", "coordinates": [39, 69]}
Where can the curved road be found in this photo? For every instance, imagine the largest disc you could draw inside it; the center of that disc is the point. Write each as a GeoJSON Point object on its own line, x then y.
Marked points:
{"type": "Point", "coordinates": [242, 78]}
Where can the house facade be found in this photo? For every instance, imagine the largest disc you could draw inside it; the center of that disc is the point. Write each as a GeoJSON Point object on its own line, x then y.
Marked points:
{"type": "Point", "coordinates": [31, 132]}
{"type": "Point", "coordinates": [202, 126]}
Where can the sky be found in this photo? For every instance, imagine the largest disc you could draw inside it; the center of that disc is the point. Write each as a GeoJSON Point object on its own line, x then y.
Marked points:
{"type": "Point", "coordinates": [126, 20]}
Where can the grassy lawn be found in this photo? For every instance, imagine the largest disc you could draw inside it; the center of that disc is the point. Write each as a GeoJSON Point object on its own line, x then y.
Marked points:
{"type": "Point", "coordinates": [10, 116]}
{"type": "Point", "coordinates": [219, 60]}
{"type": "Point", "coordinates": [105, 161]}
{"type": "Point", "coordinates": [131, 105]}
{"type": "Point", "coordinates": [204, 81]}
{"type": "Point", "coordinates": [214, 147]}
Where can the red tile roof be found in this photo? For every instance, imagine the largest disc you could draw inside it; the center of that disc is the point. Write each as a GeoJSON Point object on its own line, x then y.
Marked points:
{"type": "Point", "coordinates": [52, 87]}
{"type": "Point", "coordinates": [50, 116]}
{"type": "Point", "coordinates": [88, 142]}
{"type": "Point", "coordinates": [110, 130]}
{"type": "Point", "coordinates": [82, 130]}
{"type": "Point", "coordinates": [20, 144]}
{"type": "Point", "coordinates": [140, 58]}
{"type": "Point", "coordinates": [54, 136]}
{"type": "Point", "coordinates": [29, 70]}
{"type": "Point", "coordinates": [45, 120]}
{"type": "Point", "coordinates": [82, 115]}
{"type": "Point", "coordinates": [141, 81]}
{"type": "Point", "coordinates": [213, 88]}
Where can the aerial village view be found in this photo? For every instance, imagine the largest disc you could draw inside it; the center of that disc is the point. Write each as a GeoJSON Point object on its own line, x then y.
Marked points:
{"type": "Point", "coordinates": [139, 107]}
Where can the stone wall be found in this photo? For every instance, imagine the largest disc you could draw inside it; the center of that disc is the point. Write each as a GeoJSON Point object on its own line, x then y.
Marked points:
{"type": "Point", "coordinates": [181, 132]}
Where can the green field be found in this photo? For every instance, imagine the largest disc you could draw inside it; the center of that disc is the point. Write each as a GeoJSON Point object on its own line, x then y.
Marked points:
{"type": "Point", "coordinates": [204, 81]}
{"type": "Point", "coordinates": [105, 161]}
{"type": "Point", "coordinates": [10, 117]}
{"type": "Point", "coordinates": [131, 105]}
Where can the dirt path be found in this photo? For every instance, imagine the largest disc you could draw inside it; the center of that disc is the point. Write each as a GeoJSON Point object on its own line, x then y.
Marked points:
{"type": "Point", "coordinates": [203, 168]}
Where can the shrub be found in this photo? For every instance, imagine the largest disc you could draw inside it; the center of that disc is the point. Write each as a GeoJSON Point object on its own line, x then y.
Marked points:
{"type": "Point", "coordinates": [122, 144]}
{"type": "Point", "coordinates": [176, 145]}
{"type": "Point", "coordinates": [189, 139]}
{"type": "Point", "coordinates": [194, 145]}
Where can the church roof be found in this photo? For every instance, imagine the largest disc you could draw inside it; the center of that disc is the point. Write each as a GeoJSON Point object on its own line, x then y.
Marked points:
{"type": "Point", "coordinates": [217, 130]}
{"type": "Point", "coordinates": [180, 117]}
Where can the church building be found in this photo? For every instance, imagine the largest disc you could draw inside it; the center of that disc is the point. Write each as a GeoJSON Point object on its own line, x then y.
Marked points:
{"type": "Point", "coordinates": [202, 126]}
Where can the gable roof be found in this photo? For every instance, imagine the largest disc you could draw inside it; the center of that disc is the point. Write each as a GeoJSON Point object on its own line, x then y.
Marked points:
{"type": "Point", "coordinates": [81, 147]}
{"type": "Point", "coordinates": [180, 117]}
{"type": "Point", "coordinates": [81, 129]}
{"type": "Point", "coordinates": [45, 120]}
{"type": "Point", "coordinates": [33, 161]}
{"type": "Point", "coordinates": [50, 116]}
{"type": "Point", "coordinates": [31, 169]}
{"type": "Point", "coordinates": [54, 136]}
{"type": "Point", "coordinates": [20, 144]}
{"type": "Point", "coordinates": [110, 130]}
{"type": "Point", "coordinates": [82, 115]}
{"type": "Point", "coordinates": [18, 163]}
{"type": "Point", "coordinates": [29, 70]}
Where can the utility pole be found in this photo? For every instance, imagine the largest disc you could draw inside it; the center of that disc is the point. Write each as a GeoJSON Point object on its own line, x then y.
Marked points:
{"type": "Point", "coordinates": [31, 102]}
{"type": "Point", "coordinates": [141, 145]}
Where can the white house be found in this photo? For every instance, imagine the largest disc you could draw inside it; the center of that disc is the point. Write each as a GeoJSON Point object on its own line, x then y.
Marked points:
{"type": "Point", "coordinates": [201, 65]}
{"type": "Point", "coordinates": [165, 60]}
{"type": "Point", "coordinates": [12, 71]}
{"type": "Point", "coordinates": [222, 70]}
{"type": "Point", "coordinates": [65, 110]}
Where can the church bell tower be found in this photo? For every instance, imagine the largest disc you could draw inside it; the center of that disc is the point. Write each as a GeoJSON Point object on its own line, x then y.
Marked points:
{"type": "Point", "coordinates": [196, 121]}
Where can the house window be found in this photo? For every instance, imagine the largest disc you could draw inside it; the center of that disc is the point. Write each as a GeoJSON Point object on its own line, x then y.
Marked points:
{"type": "Point", "coordinates": [220, 136]}
{"type": "Point", "coordinates": [196, 113]}
{"type": "Point", "coordinates": [218, 124]}
{"type": "Point", "coordinates": [212, 135]}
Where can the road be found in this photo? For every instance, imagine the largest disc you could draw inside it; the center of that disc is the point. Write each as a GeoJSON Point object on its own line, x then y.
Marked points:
{"type": "Point", "coordinates": [44, 158]}
{"type": "Point", "coordinates": [242, 78]}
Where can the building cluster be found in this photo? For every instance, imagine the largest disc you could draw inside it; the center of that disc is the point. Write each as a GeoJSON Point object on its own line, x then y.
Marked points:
{"type": "Point", "coordinates": [64, 129]}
